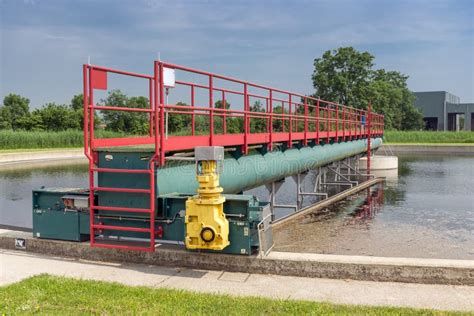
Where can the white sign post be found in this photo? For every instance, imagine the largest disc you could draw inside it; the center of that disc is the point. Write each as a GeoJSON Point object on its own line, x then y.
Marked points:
{"type": "Point", "coordinates": [169, 81]}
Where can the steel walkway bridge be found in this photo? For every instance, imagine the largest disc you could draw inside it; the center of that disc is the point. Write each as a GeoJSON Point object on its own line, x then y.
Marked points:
{"type": "Point", "coordinates": [141, 188]}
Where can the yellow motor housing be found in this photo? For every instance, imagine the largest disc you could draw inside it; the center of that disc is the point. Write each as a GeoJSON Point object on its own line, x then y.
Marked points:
{"type": "Point", "coordinates": [206, 224]}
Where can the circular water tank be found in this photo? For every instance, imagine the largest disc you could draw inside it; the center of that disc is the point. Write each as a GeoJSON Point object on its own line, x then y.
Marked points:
{"type": "Point", "coordinates": [379, 163]}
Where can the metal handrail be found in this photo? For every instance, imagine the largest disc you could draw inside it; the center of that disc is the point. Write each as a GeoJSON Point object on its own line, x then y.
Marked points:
{"type": "Point", "coordinates": [318, 120]}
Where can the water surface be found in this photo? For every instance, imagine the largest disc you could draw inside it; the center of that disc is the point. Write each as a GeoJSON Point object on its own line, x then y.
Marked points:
{"type": "Point", "coordinates": [426, 209]}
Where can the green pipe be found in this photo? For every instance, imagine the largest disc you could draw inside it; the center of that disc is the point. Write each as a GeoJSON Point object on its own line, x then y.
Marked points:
{"type": "Point", "coordinates": [255, 169]}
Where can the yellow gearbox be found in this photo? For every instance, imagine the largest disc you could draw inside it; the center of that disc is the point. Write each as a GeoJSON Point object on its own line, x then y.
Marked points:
{"type": "Point", "coordinates": [206, 224]}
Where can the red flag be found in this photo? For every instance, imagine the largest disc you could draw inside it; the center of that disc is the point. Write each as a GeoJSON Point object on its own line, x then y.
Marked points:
{"type": "Point", "coordinates": [99, 79]}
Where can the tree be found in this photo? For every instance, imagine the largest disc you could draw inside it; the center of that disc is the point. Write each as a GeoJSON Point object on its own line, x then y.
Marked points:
{"type": "Point", "coordinates": [234, 124]}
{"type": "Point", "coordinates": [218, 105]}
{"type": "Point", "coordinates": [258, 125]}
{"type": "Point", "coordinates": [343, 75]}
{"type": "Point", "coordinates": [14, 108]}
{"type": "Point", "coordinates": [389, 95]}
{"type": "Point", "coordinates": [346, 76]}
{"type": "Point", "coordinates": [32, 122]}
{"type": "Point", "coordinates": [5, 118]}
{"type": "Point", "coordinates": [77, 105]}
{"type": "Point", "coordinates": [56, 117]}
{"type": "Point", "coordinates": [179, 123]}
{"type": "Point", "coordinates": [121, 121]}
{"type": "Point", "coordinates": [280, 123]}
{"type": "Point", "coordinates": [77, 102]}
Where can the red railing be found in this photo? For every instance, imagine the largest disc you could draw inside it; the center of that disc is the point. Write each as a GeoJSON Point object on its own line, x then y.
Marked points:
{"type": "Point", "coordinates": [281, 117]}
{"type": "Point", "coordinates": [284, 117]}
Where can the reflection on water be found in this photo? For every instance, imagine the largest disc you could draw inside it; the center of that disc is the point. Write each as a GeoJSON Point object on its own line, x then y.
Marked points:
{"type": "Point", "coordinates": [426, 209]}
{"type": "Point", "coordinates": [17, 182]}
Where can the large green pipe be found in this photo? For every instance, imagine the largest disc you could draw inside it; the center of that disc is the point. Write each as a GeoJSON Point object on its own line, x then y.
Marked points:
{"type": "Point", "coordinates": [255, 169]}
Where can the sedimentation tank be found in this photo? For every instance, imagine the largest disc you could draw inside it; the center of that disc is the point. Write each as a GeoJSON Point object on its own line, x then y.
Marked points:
{"type": "Point", "coordinates": [147, 188]}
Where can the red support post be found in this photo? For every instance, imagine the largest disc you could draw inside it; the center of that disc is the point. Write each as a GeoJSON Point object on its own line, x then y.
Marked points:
{"type": "Point", "coordinates": [327, 123]}
{"type": "Point", "coordinates": [305, 121]}
{"type": "Point", "coordinates": [224, 118]}
{"type": "Point", "coordinates": [211, 110]}
{"type": "Point", "coordinates": [283, 119]}
{"type": "Point", "coordinates": [86, 110]}
{"type": "Point", "coordinates": [91, 107]}
{"type": "Point", "coordinates": [246, 125]}
{"type": "Point", "coordinates": [86, 82]}
{"type": "Point", "coordinates": [343, 123]}
{"type": "Point", "coordinates": [193, 120]}
{"type": "Point", "coordinates": [271, 120]}
{"type": "Point", "coordinates": [351, 123]}
{"type": "Point", "coordinates": [150, 99]}
{"type": "Point", "coordinates": [317, 122]}
{"type": "Point", "coordinates": [337, 123]}
{"type": "Point", "coordinates": [156, 109]}
{"type": "Point", "coordinates": [368, 138]}
{"type": "Point", "coordinates": [162, 115]}
{"type": "Point", "coordinates": [290, 125]}
{"type": "Point", "coordinates": [152, 206]}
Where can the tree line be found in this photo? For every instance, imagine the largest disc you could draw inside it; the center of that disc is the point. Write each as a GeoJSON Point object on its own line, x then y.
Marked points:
{"type": "Point", "coordinates": [345, 75]}
{"type": "Point", "coordinates": [348, 77]}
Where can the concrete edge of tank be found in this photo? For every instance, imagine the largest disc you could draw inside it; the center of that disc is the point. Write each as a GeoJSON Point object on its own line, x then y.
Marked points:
{"type": "Point", "coordinates": [379, 162]}
{"type": "Point", "coordinates": [409, 270]}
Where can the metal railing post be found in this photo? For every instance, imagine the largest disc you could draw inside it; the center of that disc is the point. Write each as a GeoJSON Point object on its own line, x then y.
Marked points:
{"type": "Point", "coordinates": [368, 138]}
{"type": "Point", "coordinates": [91, 108]}
{"type": "Point", "coordinates": [193, 115]}
{"type": "Point", "coordinates": [327, 123]}
{"type": "Point", "coordinates": [290, 125]}
{"type": "Point", "coordinates": [86, 109]}
{"type": "Point", "coordinates": [317, 122]}
{"type": "Point", "coordinates": [224, 114]}
{"type": "Point", "coordinates": [271, 120]}
{"type": "Point", "coordinates": [211, 116]}
{"type": "Point", "coordinates": [162, 115]}
{"type": "Point", "coordinates": [246, 125]}
{"type": "Point", "coordinates": [343, 123]}
{"type": "Point", "coordinates": [156, 108]}
{"type": "Point", "coordinates": [152, 205]}
{"type": "Point", "coordinates": [305, 121]}
{"type": "Point", "coordinates": [150, 99]}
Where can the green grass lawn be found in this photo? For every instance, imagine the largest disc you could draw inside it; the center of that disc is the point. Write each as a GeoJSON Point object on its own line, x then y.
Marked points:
{"type": "Point", "coordinates": [57, 295]}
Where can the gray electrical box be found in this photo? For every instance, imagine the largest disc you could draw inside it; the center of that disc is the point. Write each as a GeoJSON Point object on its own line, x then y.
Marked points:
{"type": "Point", "coordinates": [209, 153]}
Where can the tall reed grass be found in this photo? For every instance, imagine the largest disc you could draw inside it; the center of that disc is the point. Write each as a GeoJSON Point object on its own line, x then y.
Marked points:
{"type": "Point", "coordinates": [428, 137]}
{"type": "Point", "coordinates": [74, 138]}
{"type": "Point", "coordinates": [34, 140]}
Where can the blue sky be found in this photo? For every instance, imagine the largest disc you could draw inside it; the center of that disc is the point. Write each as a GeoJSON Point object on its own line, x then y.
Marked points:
{"type": "Point", "coordinates": [45, 42]}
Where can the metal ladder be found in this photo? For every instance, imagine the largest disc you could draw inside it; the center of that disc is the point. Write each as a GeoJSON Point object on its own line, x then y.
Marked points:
{"type": "Point", "coordinates": [94, 227]}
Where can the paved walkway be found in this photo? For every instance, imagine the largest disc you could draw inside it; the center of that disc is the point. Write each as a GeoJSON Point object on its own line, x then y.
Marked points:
{"type": "Point", "coordinates": [16, 265]}
{"type": "Point", "coordinates": [47, 155]}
